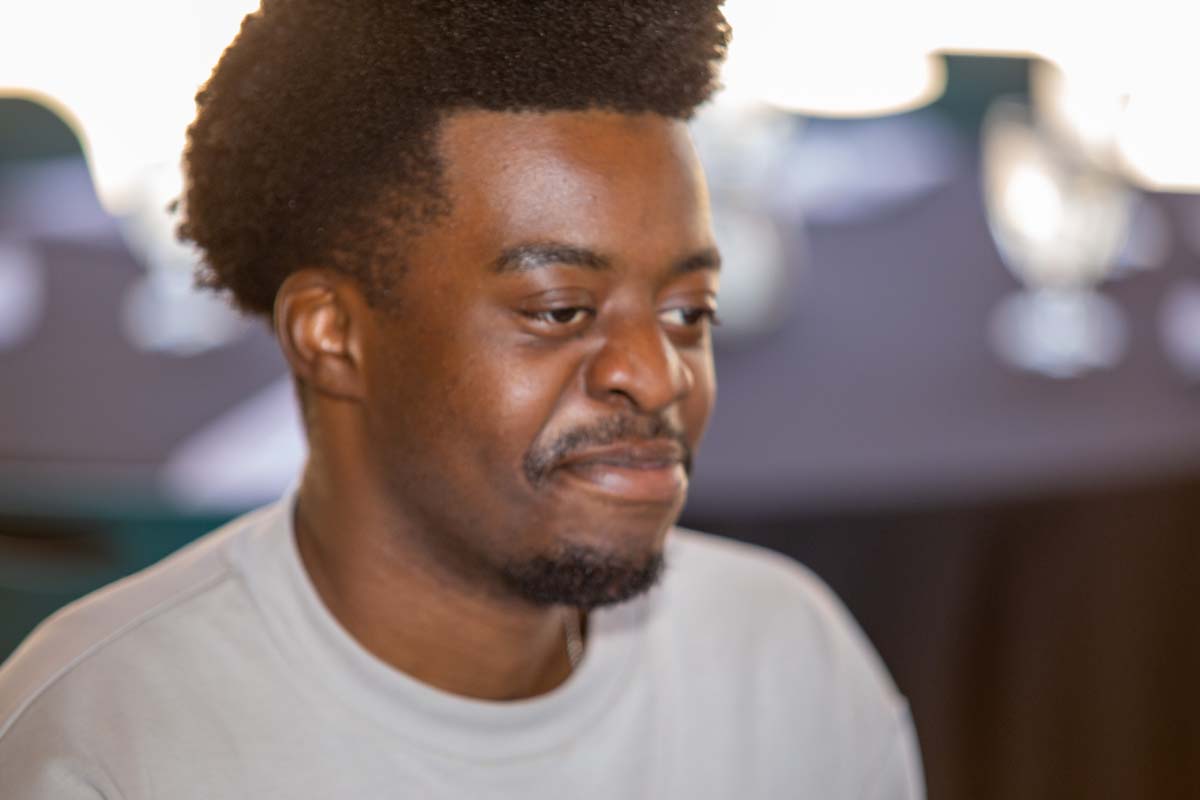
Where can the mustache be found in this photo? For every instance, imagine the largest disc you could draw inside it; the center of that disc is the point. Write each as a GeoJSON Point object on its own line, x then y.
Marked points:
{"type": "Point", "coordinates": [542, 459]}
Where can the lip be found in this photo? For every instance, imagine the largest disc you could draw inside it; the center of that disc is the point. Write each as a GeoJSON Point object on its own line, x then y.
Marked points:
{"type": "Point", "coordinates": [633, 472]}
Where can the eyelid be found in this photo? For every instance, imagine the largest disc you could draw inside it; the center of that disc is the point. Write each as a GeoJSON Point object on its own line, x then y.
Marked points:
{"type": "Point", "coordinates": [702, 312]}
{"type": "Point", "coordinates": [706, 301]}
{"type": "Point", "coordinates": [539, 320]}
{"type": "Point", "coordinates": [557, 298]}
{"type": "Point", "coordinates": [547, 314]}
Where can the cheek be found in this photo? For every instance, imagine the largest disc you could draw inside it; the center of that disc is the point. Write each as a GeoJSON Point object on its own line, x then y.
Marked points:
{"type": "Point", "coordinates": [515, 399]}
{"type": "Point", "coordinates": [418, 382]}
{"type": "Point", "coordinates": [518, 392]}
{"type": "Point", "coordinates": [699, 403]}
{"type": "Point", "coordinates": [476, 403]}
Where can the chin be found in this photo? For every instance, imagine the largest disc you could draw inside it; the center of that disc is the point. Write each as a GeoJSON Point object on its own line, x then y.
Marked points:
{"type": "Point", "coordinates": [587, 575]}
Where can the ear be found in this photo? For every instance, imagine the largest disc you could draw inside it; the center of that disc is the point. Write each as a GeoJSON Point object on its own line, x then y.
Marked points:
{"type": "Point", "coordinates": [319, 318]}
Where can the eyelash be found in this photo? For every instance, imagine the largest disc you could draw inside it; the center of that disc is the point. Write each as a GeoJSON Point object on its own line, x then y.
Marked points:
{"type": "Point", "coordinates": [548, 316]}
{"type": "Point", "coordinates": [692, 315]}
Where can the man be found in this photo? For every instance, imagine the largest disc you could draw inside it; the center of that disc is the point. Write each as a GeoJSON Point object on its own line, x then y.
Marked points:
{"type": "Point", "coordinates": [481, 235]}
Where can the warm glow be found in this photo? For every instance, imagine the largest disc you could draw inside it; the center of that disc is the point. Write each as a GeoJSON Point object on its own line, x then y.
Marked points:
{"type": "Point", "coordinates": [1033, 202]}
{"type": "Point", "coordinates": [1160, 138]}
{"type": "Point", "coordinates": [830, 59]}
{"type": "Point", "coordinates": [1124, 95]}
{"type": "Point", "coordinates": [127, 71]}
{"type": "Point", "coordinates": [1059, 222]}
{"type": "Point", "coordinates": [1083, 109]}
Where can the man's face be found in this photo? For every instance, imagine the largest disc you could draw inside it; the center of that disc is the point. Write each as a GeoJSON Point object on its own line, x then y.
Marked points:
{"type": "Point", "coordinates": [534, 400]}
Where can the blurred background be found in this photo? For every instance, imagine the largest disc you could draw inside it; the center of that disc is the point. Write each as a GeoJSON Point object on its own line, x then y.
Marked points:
{"type": "Point", "coordinates": [959, 364]}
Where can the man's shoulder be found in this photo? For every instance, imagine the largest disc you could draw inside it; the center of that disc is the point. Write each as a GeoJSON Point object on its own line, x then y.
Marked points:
{"type": "Point", "coordinates": [90, 629]}
{"type": "Point", "coordinates": [773, 608]}
{"type": "Point", "coordinates": [760, 643]}
{"type": "Point", "coordinates": [759, 580]}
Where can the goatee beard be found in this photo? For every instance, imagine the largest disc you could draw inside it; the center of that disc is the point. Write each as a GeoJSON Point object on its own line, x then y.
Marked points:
{"type": "Point", "coordinates": [582, 577]}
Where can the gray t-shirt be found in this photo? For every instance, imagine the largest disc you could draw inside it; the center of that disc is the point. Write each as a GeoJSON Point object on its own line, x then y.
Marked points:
{"type": "Point", "coordinates": [219, 673]}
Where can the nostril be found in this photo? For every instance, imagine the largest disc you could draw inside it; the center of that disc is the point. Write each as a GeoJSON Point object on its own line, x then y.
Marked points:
{"type": "Point", "coordinates": [623, 399]}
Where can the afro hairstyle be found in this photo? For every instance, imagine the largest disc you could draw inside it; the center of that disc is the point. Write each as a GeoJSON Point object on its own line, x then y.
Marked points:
{"type": "Point", "coordinates": [315, 140]}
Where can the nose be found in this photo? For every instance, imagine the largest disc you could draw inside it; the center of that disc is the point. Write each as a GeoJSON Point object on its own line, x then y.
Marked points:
{"type": "Point", "coordinates": [639, 366]}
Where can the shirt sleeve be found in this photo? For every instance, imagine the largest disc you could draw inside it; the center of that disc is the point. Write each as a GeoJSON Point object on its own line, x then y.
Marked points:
{"type": "Point", "coordinates": [36, 764]}
{"type": "Point", "coordinates": [899, 775]}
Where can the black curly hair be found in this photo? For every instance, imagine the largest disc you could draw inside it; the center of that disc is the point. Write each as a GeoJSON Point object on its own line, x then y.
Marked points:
{"type": "Point", "coordinates": [315, 137]}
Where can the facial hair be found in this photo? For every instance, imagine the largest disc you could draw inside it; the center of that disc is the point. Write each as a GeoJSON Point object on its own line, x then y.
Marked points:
{"type": "Point", "coordinates": [575, 575]}
{"type": "Point", "coordinates": [582, 577]}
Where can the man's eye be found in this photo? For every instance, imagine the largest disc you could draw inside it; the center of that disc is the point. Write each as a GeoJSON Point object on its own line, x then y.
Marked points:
{"type": "Point", "coordinates": [560, 316]}
{"type": "Point", "coordinates": [688, 316]}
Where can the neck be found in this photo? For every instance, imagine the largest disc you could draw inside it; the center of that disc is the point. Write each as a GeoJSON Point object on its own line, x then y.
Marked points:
{"type": "Point", "coordinates": [410, 611]}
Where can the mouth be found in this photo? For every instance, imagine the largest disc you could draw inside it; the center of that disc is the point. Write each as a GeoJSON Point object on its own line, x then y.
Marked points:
{"type": "Point", "coordinates": [650, 473]}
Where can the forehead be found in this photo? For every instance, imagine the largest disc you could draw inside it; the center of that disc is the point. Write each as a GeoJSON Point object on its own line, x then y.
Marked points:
{"type": "Point", "coordinates": [594, 178]}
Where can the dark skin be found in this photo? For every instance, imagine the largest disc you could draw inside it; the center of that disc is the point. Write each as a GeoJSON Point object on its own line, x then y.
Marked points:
{"type": "Point", "coordinates": [571, 285]}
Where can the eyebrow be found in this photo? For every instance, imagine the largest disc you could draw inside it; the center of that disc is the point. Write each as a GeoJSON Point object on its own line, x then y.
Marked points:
{"type": "Point", "coordinates": [708, 258]}
{"type": "Point", "coordinates": [526, 257]}
{"type": "Point", "coordinates": [537, 255]}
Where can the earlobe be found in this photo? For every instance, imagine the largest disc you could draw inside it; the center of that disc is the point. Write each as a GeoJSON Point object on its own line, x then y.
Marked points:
{"type": "Point", "coordinates": [316, 322]}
